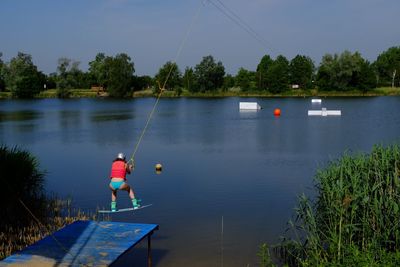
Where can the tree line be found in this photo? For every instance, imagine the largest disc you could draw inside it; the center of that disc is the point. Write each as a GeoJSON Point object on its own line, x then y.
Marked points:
{"type": "Point", "coordinates": [116, 75]}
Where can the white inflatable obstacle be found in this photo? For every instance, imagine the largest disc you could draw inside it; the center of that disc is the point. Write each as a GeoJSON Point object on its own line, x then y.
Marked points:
{"type": "Point", "coordinates": [316, 100]}
{"type": "Point", "coordinates": [324, 112]}
{"type": "Point", "coordinates": [249, 106]}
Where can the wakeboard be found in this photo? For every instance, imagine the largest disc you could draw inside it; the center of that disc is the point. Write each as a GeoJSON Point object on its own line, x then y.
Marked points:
{"type": "Point", "coordinates": [126, 209]}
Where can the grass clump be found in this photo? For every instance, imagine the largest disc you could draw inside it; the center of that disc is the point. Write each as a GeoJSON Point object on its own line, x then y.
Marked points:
{"type": "Point", "coordinates": [355, 218]}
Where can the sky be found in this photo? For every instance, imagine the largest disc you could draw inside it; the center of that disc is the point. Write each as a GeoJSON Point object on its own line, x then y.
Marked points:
{"type": "Point", "coordinates": [153, 32]}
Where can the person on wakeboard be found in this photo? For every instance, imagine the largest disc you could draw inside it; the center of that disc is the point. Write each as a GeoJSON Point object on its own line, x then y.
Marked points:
{"type": "Point", "coordinates": [119, 169]}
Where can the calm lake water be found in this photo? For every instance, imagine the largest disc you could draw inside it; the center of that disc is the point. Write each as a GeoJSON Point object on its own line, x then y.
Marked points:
{"type": "Point", "coordinates": [221, 167]}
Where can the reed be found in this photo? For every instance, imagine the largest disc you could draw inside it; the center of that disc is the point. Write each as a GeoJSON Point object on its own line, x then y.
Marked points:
{"type": "Point", "coordinates": [355, 218]}
{"type": "Point", "coordinates": [21, 189]}
{"type": "Point", "coordinates": [60, 214]}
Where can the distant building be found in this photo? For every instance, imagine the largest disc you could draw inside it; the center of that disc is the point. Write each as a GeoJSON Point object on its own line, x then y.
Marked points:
{"type": "Point", "coordinates": [295, 86]}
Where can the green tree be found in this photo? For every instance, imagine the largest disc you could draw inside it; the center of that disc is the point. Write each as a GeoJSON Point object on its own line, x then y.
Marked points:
{"type": "Point", "coordinates": [119, 71]}
{"type": "Point", "coordinates": [388, 67]}
{"type": "Point", "coordinates": [245, 79]}
{"type": "Point", "coordinates": [22, 77]}
{"type": "Point", "coordinates": [170, 75]}
{"type": "Point", "coordinates": [326, 72]}
{"type": "Point", "coordinates": [69, 76]}
{"type": "Point", "coordinates": [51, 81]}
{"type": "Point", "coordinates": [209, 75]}
{"type": "Point", "coordinates": [365, 78]}
{"type": "Point", "coordinates": [301, 71]}
{"type": "Point", "coordinates": [97, 69]}
{"type": "Point", "coordinates": [141, 82]}
{"type": "Point", "coordinates": [229, 82]}
{"type": "Point", "coordinates": [262, 70]}
{"type": "Point", "coordinates": [62, 69]}
{"type": "Point", "coordinates": [278, 75]}
{"type": "Point", "coordinates": [342, 72]}
{"type": "Point", "coordinates": [188, 80]}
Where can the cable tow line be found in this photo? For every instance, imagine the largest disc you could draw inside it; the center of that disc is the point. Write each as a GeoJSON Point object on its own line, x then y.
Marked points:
{"type": "Point", "coordinates": [162, 88]}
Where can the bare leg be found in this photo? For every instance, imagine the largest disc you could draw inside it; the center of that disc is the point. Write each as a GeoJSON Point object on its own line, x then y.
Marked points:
{"type": "Point", "coordinates": [113, 194]}
{"type": "Point", "coordinates": [128, 189]}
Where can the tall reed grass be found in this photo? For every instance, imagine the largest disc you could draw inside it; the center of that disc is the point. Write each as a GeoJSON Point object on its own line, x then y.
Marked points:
{"type": "Point", "coordinates": [22, 182]}
{"type": "Point", "coordinates": [59, 214]}
{"type": "Point", "coordinates": [355, 218]}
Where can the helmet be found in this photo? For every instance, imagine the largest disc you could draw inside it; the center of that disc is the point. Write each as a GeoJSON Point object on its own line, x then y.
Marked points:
{"type": "Point", "coordinates": [121, 156]}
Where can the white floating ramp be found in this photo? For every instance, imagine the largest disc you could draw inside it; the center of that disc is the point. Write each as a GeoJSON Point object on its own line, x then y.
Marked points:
{"type": "Point", "coordinates": [249, 106]}
{"type": "Point", "coordinates": [324, 112]}
{"type": "Point", "coordinates": [315, 100]}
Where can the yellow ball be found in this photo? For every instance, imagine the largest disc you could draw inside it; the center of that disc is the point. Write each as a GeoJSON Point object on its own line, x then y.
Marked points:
{"type": "Point", "coordinates": [158, 167]}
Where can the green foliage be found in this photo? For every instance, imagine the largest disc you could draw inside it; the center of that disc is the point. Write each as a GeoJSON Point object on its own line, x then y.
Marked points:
{"type": "Point", "coordinates": [301, 69]}
{"type": "Point", "coordinates": [344, 72]}
{"type": "Point", "coordinates": [209, 75]}
{"type": "Point", "coordinates": [70, 77]}
{"type": "Point", "coordinates": [387, 66]}
{"type": "Point", "coordinates": [188, 80]}
{"type": "Point", "coordinates": [51, 81]}
{"type": "Point", "coordinates": [354, 220]}
{"type": "Point", "coordinates": [97, 69]}
{"type": "Point", "coordinates": [142, 82]}
{"type": "Point", "coordinates": [262, 72]}
{"type": "Point", "coordinates": [245, 80]}
{"type": "Point", "coordinates": [278, 75]}
{"type": "Point", "coordinates": [22, 77]}
{"type": "Point", "coordinates": [265, 256]}
{"type": "Point", "coordinates": [229, 82]}
{"type": "Point", "coordinates": [119, 71]}
{"type": "Point", "coordinates": [170, 75]}
{"type": "Point", "coordinates": [21, 179]}
{"type": "Point", "coordinates": [365, 79]}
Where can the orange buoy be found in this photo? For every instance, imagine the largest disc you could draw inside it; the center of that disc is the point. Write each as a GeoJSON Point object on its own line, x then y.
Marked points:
{"type": "Point", "coordinates": [277, 112]}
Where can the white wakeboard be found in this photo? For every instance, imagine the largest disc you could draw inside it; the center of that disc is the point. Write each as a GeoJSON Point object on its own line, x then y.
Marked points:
{"type": "Point", "coordinates": [123, 210]}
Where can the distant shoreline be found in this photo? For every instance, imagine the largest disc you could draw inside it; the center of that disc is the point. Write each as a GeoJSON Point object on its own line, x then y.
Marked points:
{"type": "Point", "coordinates": [87, 93]}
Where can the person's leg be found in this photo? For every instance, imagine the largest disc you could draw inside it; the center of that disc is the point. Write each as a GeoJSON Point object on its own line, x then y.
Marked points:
{"type": "Point", "coordinates": [113, 198]}
{"type": "Point", "coordinates": [129, 189]}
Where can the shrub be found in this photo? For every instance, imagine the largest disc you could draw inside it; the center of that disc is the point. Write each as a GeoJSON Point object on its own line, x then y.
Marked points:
{"type": "Point", "coordinates": [354, 219]}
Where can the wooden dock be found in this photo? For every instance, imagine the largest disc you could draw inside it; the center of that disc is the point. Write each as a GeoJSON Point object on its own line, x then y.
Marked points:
{"type": "Point", "coordinates": [84, 243]}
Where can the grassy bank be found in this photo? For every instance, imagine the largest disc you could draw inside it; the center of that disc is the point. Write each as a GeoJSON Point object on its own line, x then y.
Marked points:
{"type": "Point", "coordinates": [233, 92]}
{"type": "Point", "coordinates": [354, 220]}
{"type": "Point", "coordinates": [236, 92]}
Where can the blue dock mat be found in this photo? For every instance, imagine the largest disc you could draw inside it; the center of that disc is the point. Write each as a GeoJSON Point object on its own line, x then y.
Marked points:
{"type": "Point", "coordinates": [82, 243]}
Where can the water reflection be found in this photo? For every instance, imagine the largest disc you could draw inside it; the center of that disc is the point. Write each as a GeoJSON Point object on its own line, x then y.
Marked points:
{"type": "Point", "coordinates": [19, 115]}
{"type": "Point", "coordinates": [111, 115]}
{"type": "Point", "coordinates": [70, 125]}
{"type": "Point", "coordinates": [114, 126]}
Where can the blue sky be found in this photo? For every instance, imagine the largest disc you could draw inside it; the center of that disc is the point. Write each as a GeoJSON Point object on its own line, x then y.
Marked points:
{"type": "Point", "coordinates": [151, 31]}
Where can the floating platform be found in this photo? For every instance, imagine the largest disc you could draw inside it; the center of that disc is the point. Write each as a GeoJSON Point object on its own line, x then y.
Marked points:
{"type": "Point", "coordinates": [249, 106]}
{"type": "Point", "coordinates": [324, 112]}
{"type": "Point", "coordinates": [84, 243]}
{"type": "Point", "coordinates": [316, 100]}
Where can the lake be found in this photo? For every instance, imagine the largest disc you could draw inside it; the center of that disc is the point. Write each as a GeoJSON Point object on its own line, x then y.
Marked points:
{"type": "Point", "coordinates": [230, 179]}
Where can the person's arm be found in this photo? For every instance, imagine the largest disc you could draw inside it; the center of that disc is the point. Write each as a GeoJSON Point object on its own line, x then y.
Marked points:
{"type": "Point", "coordinates": [129, 168]}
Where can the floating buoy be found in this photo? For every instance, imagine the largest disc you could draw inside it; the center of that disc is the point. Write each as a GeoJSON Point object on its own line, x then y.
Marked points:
{"type": "Point", "coordinates": [158, 168]}
{"type": "Point", "coordinates": [277, 112]}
